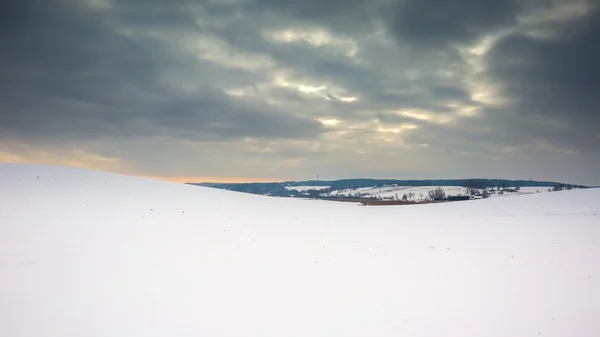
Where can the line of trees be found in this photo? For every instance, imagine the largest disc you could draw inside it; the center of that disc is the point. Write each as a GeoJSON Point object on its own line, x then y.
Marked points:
{"type": "Point", "coordinates": [562, 187]}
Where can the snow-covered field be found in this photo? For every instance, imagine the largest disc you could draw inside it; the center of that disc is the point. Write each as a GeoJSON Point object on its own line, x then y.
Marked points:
{"type": "Point", "coordinates": [399, 191]}
{"type": "Point", "coordinates": [531, 190]}
{"type": "Point", "coordinates": [84, 253]}
{"type": "Point", "coordinates": [306, 188]}
{"type": "Point", "coordinates": [393, 191]}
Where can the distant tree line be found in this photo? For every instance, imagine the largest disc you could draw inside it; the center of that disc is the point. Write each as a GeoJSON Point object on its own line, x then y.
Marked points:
{"type": "Point", "coordinates": [562, 187]}
{"type": "Point", "coordinates": [473, 186]}
{"type": "Point", "coordinates": [475, 183]}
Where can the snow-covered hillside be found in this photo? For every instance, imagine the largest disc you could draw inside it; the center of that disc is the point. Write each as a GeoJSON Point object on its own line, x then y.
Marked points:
{"type": "Point", "coordinates": [396, 191]}
{"type": "Point", "coordinates": [420, 192]}
{"type": "Point", "coordinates": [306, 188]}
{"type": "Point", "coordinates": [85, 253]}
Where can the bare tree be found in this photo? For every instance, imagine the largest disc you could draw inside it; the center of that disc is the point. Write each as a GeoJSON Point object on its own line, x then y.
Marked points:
{"type": "Point", "coordinates": [471, 191]}
{"type": "Point", "coordinates": [437, 194]}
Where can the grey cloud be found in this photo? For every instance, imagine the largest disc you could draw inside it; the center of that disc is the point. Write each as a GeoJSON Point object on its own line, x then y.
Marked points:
{"type": "Point", "coordinates": [439, 22]}
{"type": "Point", "coordinates": [343, 15]}
{"type": "Point", "coordinates": [450, 92]}
{"type": "Point", "coordinates": [389, 118]}
{"type": "Point", "coordinates": [210, 115]}
{"type": "Point", "coordinates": [550, 85]}
{"type": "Point", "coordinates": [66, 74]}
{"type": "Point", "coordinates": [381, 80]}
{"type": "Point", "coordinates": [125, 81]}
{"type": "Point", "coordinates": [553, 80]}
{"type": "Point", "coordinates": [214, 114]}
{"type": "Point", "coordinates": [153, 13]}
{"type": "Point", "coordinates": [55, 36]}
{"type": "Point", "coordinates": [312, 8]}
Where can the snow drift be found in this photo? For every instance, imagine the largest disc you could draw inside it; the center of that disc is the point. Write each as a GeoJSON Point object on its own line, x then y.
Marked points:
{"type": "Point", "coordinates": [85, 253]}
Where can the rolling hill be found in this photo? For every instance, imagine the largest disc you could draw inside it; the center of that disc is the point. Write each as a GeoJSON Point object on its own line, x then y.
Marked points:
{"type": "Point", "coordinates": [87, 253]}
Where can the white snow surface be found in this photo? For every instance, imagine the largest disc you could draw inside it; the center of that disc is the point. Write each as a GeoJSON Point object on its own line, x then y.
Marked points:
{"type": "Point", "coordinates": [393, 191]}
{"type": "Point", "coordinates": [86, 253]}
{"type": "Point", "coordinates": [306, 188]}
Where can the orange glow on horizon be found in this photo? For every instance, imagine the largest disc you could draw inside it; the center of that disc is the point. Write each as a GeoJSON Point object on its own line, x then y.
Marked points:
{"type": "Point", "coordinates": [6, 157]}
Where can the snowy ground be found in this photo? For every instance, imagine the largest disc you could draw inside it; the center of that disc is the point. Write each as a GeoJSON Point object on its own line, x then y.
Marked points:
{"type": "Point", "coordinates": [306, 188]}
{"type": "Point", "coordinates": [393, 191]}
{"type": "Point", "coordinates": [85, 253]}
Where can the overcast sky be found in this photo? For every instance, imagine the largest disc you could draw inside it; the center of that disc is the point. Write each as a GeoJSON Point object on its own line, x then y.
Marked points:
{"type": "Point", "coordinates": [291, 89]}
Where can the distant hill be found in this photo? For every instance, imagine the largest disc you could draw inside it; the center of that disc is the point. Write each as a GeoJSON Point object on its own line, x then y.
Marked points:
{"type": "Point", "coordinates": [282, 188]}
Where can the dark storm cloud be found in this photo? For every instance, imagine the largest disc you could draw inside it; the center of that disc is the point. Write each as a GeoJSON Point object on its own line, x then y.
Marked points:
{"type": "Point", "coordinates": [553, 80]}
{"type": "Point", "coordinates": [345, 15]}
{"type": "Point", "coordinates": [380, 80]}
{"type": "Point", "coordinates": [312, 8]}
{"type": "Point", "coordinates": [214, 114]}
{"type": "Point", "coordinates": [438, 22]}
{"type": "Point", "coordinates": [209, 115]}
{"type": "Point", "coordinates": [66, 74]}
